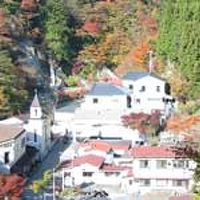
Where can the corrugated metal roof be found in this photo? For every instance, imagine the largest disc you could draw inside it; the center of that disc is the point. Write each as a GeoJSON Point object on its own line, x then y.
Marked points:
{"type": "Point", "coordinates": [103, 88]}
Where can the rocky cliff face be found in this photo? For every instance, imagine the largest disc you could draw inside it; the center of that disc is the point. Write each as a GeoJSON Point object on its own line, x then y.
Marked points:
{"type": "Point", "coordinates": [21, 36]}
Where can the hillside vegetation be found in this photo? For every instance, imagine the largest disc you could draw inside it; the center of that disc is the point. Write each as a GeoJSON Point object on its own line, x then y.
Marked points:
{"type": "Point", "coordinates": [83, 36]}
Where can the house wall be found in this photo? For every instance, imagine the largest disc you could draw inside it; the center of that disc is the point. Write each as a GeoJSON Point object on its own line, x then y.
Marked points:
{"type": "Point", "coordinates": [176, 170]}
{"type": "Point", "coordinates": [115, 102]}
{"type": "Point", "coordinates": [156, 185]}
{"type": "Point", "coordinates": [76, 176]}
{"type": "Point", "coordinates": [147, 100]}
{"type": "Point", "coordinates": [15, 147]}
{"type": "Point", "coordinates": [105, 131]}
{"type": "Point", "coordinates": [170, 138]}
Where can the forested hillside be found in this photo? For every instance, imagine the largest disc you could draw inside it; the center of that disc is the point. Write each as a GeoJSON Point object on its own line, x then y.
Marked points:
{"type": "Point", "coordinates": [83, 36]}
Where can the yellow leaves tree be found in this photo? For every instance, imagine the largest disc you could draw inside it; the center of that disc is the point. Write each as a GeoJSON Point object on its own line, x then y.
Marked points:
{"type": "Point", "coordinates": [3, 99]}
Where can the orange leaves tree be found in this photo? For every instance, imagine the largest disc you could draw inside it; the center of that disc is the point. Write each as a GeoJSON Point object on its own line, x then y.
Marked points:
{"type": "Point", "coordinates": [109, 52]}
{"type": "Point", "coordinates": [11, 186]}
{"type": "Point", "coordinates": [183, 124]}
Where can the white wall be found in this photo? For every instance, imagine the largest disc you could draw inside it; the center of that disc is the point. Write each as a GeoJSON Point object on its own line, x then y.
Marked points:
{"type": "Point", "coordinates": [76, 174]}
{"type": "Point", "coordinates": [149, 99]}
{"type": "Point", "coordinates": [42, 129]}
{"type": "Point", "coordinates": [15, 147]}
{"type": "Point", "coordinates": [98, 176]}
{"type": "Point", "coordinates": [114, 102]}
{"type": "Point", "coordinates": [106, 131]}
{"type": "Point", "coordinates": [169, 173]}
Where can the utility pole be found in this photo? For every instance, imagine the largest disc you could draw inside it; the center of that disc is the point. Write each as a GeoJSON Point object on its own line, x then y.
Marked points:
{"type": "Point", "coordinates": [54, 194]}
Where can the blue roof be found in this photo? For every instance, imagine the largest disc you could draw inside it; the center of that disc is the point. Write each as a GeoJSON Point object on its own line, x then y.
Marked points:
{"type": "Point", "coordinates": [138, 75]}
{"type": "Point", "coordinates": [107, 89]}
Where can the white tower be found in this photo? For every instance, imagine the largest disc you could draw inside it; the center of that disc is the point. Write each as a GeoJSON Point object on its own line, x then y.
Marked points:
{"type": "Point", "coordinates": [35, 109]}
{"type": "Point", "coordinates": [38, 128]}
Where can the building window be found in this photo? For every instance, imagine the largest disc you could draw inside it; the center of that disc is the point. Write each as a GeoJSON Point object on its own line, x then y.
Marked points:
{"type": "Point", "coordinates": [145, 182]}
{"type": "Point", "coordinates": [128, 102]}
{"type": "Point", "coordinates": [131, 87]}
{"type": "Point", "coordinates": [158, 88]}
{"type": "Point", "coordinates": [67, 174]}
{"type": "Point", "coordinates": [35, 137]}
{"type": "Point", "coordinates": [138, 101]}
{"type": "Point", "coordinates": [179, 164]}
{"type": "Point", "coordinates": [144, 163]}
{"type": "Point", "coordinates": [142, 89]}
{"type": "Point", "coordinates": [95, 100]}
{"type": "Point", "coordinates": [6, 157]}
{"type": "Point", "coordinates": [180, 183]}
{"type": "Point", "coordinates": [88, 174]}
{"type": "Point", "coordinates": [130, 182]}
{"type": "Point", "coordinates": [161, 164]}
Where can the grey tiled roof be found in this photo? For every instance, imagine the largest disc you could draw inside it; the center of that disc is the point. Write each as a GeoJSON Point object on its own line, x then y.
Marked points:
{"type": "Point", "coordinates": [108, 89]}
{"type": "Point", "coordinates": [138, 75]}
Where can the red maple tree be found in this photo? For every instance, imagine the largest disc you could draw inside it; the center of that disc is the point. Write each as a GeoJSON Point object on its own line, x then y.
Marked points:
{"type": "Point", "coordinates": [28, 5]}
{"type": "Point", "coordinates": [143, 122]}
{"type": "Point", "coordinates": [11, 186]}
{"type": "Point", "coordinates": [92, 28]}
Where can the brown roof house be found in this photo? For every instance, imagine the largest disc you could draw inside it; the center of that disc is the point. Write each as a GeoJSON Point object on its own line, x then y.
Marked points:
{"type": "Point", "coordinates": [12, 146]}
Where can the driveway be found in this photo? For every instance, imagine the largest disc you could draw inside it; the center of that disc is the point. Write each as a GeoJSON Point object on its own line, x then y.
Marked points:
{"type": "Point", "coordinates": [50, 162]}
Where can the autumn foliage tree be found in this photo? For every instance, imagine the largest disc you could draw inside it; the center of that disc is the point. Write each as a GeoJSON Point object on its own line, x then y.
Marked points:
{"type": "Point", "coordinates": [11, 186]}
{"type": "Point", "coordinates": [28, 5]}
{"type": "Point", "coordinates": [91, 28]}
{"type": "Point", "coordinates": [4, 31]}
{"type": "Point", "coordinates": [180, 124]}
{"type": "Point", "coordinates": [145, 123]}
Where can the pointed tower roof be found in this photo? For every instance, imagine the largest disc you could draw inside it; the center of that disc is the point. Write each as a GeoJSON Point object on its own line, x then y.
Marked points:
{"type": "Point", "coordinates": [35, 102]}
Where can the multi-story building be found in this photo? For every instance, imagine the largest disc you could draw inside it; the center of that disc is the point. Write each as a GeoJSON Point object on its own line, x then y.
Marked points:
{"type": "Point", "coordinates": [148, 93]}
{"type": "Point", "coordinates": [159, 168]}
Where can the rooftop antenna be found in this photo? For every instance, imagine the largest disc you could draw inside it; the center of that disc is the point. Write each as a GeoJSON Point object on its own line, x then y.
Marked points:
{"type": "Point", "coordinates": [151, 64]}
{"type": "Point", "coordinates": [35, 90]}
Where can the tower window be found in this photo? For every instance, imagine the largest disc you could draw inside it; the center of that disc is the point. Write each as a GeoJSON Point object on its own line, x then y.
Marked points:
{"type": "Point", "coordinates": [35, 112]}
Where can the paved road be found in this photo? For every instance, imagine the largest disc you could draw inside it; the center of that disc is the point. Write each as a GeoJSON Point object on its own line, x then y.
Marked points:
{"type": "Point", "coordinates": [50, 162]}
